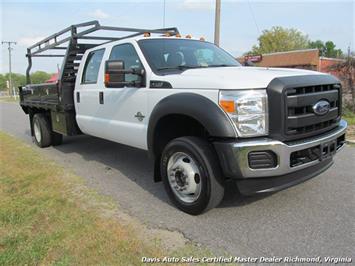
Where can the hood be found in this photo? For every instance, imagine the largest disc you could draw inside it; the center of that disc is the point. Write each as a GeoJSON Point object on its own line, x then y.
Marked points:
{"type": "Point", "coordinates": [230, 77]}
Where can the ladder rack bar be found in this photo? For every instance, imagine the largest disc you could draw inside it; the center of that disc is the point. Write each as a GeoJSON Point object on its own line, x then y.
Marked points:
{"type": "Point", "coordinates": [48, 55]}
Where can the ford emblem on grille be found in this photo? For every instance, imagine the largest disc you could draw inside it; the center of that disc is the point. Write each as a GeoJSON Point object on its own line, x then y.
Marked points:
{"type": "Point", "coordinates": [322, 107]}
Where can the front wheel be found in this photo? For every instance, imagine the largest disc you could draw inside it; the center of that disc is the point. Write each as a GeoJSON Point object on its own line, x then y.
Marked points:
{"type": "Point", "coordinates": [191, 175]}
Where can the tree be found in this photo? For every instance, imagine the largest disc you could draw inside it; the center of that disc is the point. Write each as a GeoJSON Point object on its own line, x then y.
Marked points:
{"type": "Point", "coordinates": [20, 79]}
{"type": "Point", "coordinates": [39, 77]}
{"type": "Point", "coordinates": [17, 80]}
{"type": "Point", "coordinates": [2, 82]}
{"type": "Point", "coordinates": [346, 72]}
{"type": "Point", "coordinates": [326, 49]}
{"type": "Point", "coordinates": [279, 39]}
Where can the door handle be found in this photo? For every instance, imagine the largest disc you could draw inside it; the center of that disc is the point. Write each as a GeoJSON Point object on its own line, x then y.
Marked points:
{"type": "Point", "coordinates": [78, 97]}
{"type": "Point", "coordinates": [101, 97]}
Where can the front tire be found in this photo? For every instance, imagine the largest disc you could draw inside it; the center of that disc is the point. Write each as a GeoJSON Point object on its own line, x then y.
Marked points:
{"type": "Point", "coordinates": [191, 175]}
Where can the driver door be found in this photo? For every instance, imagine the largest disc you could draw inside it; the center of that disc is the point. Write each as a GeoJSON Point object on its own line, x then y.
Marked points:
{"type": "Point", "coordinates": [123, 110]}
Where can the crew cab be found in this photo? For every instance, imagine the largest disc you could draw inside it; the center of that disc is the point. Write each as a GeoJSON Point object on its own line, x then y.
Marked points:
{"type": "Point", "coordinates": [203, 118]}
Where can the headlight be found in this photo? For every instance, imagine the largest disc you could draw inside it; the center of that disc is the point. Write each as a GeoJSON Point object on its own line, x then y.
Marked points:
{"type": "Point", "coordinates": [248, 109]}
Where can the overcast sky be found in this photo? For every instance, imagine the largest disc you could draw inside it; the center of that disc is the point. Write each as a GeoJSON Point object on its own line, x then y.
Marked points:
{"type": "Point", "coordinates": [242, 21]}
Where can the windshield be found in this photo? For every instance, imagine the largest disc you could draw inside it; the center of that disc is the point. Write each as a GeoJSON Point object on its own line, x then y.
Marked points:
{"type": "Point", "coordinates": [166, 55]}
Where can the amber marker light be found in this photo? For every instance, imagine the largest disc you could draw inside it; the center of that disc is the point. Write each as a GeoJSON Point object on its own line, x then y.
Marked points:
{"type": "Point", "coordinates": [227, 105]}
{"type": "Point", "coordinates": [107, 78]}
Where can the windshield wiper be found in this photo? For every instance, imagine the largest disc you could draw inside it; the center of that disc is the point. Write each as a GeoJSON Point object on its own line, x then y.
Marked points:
{"type": "Point", "coordinates": [182, 67]}
{"type": "Point", "coordinates": [221, 65]}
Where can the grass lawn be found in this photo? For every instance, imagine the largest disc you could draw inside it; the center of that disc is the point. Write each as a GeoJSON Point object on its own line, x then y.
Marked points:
{"type": "Point", "coordinates": [350, 118]}
{"type": "Point", "coordinates": [49, 217]}
{"type": "Point", "coordinates": [9, 99]}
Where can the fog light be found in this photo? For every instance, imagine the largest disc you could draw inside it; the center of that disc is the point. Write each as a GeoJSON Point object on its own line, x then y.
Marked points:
{"type": "Point", "coordinates": [262, 159]}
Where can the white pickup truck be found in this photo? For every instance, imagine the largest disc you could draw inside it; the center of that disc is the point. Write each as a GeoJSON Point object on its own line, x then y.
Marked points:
{"type": "Point", "coordinates": [202, 117]}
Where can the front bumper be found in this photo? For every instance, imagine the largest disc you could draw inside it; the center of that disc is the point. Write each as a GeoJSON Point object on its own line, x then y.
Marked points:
{"type": "Point", "coordinates": [235, 163]}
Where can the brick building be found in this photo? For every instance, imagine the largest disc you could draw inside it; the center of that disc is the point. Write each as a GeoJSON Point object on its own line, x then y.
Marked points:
{"type": "Point", "coordinates": [305, 59]}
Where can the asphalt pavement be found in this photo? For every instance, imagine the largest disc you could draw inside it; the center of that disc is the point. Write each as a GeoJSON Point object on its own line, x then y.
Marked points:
{"type": "Point", "coordinates": [315, 218]}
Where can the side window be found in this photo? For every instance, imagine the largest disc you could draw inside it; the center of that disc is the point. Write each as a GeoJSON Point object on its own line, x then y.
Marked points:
{"type": "Point", "coordinates": [128, 54]}
{"type": "Point", "coordinates": [92, 66]}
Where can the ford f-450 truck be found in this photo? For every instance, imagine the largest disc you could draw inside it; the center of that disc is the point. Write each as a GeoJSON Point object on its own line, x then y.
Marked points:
{"type": "Point", "coordinates": [203, 118]}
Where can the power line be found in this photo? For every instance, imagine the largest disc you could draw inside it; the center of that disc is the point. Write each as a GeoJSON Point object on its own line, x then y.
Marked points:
{"type": "Point", "coordinates": [253, 16]}
{"type": "Point", "coordinates": [163, 13]}
{"type": "Point", "coordinates": [9, 43]}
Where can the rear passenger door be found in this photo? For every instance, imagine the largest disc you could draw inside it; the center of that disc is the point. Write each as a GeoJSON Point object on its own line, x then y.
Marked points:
{"type": "Point", "coordinates": [87, 93]}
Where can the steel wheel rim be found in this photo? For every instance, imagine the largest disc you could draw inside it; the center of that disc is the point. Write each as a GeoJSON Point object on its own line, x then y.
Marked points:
{"type": "Point", "coordinates": [37, 131]}
{"type": "Point", "coordinates": [184, 177]}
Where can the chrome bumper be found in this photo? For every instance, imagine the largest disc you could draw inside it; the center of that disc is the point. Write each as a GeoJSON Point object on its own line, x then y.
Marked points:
{"type": "Point", "coordinates": [234, 158]}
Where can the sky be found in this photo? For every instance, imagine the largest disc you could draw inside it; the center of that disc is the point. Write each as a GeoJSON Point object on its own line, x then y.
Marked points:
{"type": "Point", "coordinates": [26, 22]}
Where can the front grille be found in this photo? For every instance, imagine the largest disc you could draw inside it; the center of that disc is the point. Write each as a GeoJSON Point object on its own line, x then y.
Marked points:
{"type": "Point", "coordinates": [300, 117]}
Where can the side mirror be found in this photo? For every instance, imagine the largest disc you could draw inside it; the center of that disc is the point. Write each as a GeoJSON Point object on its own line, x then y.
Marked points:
{"type": "Point", "coordinates": [249, 63]}
{"type": "Point", "coordinates": [115, 74]}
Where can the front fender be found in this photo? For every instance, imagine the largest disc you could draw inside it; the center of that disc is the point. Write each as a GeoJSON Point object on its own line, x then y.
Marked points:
{"type": "Point", "coordinates": [196, 106]}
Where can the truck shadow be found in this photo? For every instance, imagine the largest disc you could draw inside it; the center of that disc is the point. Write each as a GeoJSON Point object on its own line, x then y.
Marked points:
{"type": "Point", "coordinates": [135, 164]}
{"type": "Point", "coordinates": [232, 196]}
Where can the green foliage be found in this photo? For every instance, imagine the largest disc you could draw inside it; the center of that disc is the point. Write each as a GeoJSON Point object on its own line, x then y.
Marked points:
{"type": "Point", "coordinates": [326, 49]}
{"type": "Point", "coordinates": [17, 80]}
{"type": "Point", "coordinates": [20, 79]}
{"type": "Point", "coordinates": [39, 77]}
{"type": "Point", "coordinates": [279, 39]}
{"type": "Point", "coordinates": [2, 82]}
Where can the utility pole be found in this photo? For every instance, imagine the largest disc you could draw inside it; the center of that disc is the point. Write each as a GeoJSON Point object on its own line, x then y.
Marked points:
{"type": "Point", "coordinates": [217, 22]}
{"type": "Point", "coordinates": [9, 43]}
{"type": "Point", "coordinates": [350, 78]}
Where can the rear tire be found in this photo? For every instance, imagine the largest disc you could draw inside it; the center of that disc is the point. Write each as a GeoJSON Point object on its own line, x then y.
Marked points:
{"type": "Point", "coordinates": [191, 175]}
{"type": "Point", "coordinates": [41, 130]}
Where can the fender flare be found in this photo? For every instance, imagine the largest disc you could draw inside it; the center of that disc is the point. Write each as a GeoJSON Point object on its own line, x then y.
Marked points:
{"type": "Point", "coordinates": [196, 106]}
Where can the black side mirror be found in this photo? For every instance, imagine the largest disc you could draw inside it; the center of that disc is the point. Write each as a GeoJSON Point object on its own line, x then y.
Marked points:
{"type": "Point", "coordinates": [115, 74]}
{"type": "Point", "coordinates": [249, 63]}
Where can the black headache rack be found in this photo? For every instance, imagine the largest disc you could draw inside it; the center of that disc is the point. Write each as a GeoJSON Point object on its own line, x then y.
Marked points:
{"type": "Point", "coordinates": [70, 44]}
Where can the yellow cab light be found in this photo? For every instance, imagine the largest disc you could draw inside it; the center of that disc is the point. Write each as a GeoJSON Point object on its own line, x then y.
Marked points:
{"type": "Point", "coordinates": [146, 34]}
{"type": "Point", "coordinates": [227, 105]}
{"type": "Point", "coordinates": [188, 36]}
